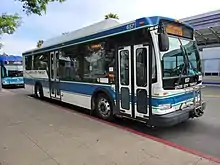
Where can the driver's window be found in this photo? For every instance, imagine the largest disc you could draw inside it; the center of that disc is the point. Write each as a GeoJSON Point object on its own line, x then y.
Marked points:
{"type": "Point", "coordinates": [173, 65]}
{"type": "Point", "coordinates": [173, 60]}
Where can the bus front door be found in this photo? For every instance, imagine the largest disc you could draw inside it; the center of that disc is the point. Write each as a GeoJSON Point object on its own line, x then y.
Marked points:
{"type": "Point", "coordinates": [132, 91]}
{"type": "Point", "coordinates": [141, 81]}
{"type": "Point", "coordinates": [54, 75]}
{"type": "Point", "coordinates": [124, 83]}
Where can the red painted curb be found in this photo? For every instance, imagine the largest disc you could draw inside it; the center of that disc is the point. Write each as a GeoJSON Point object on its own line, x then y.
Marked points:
{"type": "Point", "coordinates": [169, 143]}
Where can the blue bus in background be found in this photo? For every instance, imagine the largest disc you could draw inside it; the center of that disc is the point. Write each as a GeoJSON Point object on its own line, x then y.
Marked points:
{"type": "Point", "coordinates": [11, 70]}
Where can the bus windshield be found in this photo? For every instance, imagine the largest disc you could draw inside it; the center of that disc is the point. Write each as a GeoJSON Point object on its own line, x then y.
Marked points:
{"type": "Point", "coordinates": [12, 70]}
{"type": "Point", "coordinates": [182, 58]}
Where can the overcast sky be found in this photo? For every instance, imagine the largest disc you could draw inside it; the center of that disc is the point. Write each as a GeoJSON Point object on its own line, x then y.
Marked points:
{"type": "Point", "coordinates": [74, 14]}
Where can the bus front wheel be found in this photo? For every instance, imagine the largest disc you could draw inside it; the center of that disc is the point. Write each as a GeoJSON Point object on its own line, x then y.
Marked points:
{"type": "Point", "coordinates": [104, 107]}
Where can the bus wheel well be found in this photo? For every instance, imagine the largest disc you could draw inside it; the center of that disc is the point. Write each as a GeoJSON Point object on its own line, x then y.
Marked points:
{"type": "Point", "coordinates": [103, 105]}
{"type": "Point", "coordinates": [38, 88]}
{"type": "Point", "coordinates": [95, 96]}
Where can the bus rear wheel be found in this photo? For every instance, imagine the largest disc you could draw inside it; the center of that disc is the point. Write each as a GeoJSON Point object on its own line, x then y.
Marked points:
{"type": "Point", "coordinates": [38, 91]}
{"type": "Point", "coordinates": [104, 107]}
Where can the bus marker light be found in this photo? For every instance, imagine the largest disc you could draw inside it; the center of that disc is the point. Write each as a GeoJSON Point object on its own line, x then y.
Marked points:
{"type": "Point", "coordinates": [141, 23]}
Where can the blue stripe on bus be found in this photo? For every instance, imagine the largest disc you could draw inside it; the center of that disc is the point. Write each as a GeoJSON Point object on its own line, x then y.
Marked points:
{"type": "Point", "coordinates": [44, 82]}
{"type": "Point", "coordinates": [171, 100]}
{"type": "Point", "coordinates": [174, 99]}
{"type": "Point", "coordinates": [88, 89]}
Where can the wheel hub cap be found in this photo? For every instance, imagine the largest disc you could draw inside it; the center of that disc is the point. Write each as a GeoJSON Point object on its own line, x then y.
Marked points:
{"type": "Point", "coordinates": [104, 107]}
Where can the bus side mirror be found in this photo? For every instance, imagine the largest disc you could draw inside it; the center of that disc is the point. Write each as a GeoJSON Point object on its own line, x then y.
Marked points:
{"type": "Point", "coordinates": [163, 42]}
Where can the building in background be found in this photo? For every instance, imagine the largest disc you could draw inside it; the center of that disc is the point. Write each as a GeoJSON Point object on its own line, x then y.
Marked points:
{"type": "Point", "coordinates": [207, 27]}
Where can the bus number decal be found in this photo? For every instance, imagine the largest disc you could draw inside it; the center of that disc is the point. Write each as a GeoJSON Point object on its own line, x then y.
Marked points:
{"type": "Point", "coordinates": [130, 26]}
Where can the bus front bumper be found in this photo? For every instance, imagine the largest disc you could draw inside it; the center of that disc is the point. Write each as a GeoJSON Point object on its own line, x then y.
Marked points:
{"type": "Point", "coordinates": [175, 117]}
{"type": "Point", "coordinates": [5, 85]}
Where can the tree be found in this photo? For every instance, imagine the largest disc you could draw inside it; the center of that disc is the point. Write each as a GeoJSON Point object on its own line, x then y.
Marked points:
{"type": "Point", "coordinates": [111, 15]}
{"type": "Point", "coordinates": [9, 23]}
{"type": "Point", "coordinates": [40, 43]}
{"type": "Point", "coordinates": [36, 6]}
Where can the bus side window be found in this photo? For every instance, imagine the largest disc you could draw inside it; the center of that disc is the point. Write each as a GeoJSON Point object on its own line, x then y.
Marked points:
{"type": "Point", "coordinates": [41, 62]}
{"type": "Point", "coordinates": [28, 62]}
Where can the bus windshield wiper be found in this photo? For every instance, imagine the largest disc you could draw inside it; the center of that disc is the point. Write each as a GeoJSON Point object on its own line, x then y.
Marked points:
{"type": "Point", "coordinates": [184, 66]}
{"type": "Point", "coordinates": [181, 74]}
{"type": "Point", "coordinates": [186, 55]}
{"type": "Point", "coordinates": [191, 65]}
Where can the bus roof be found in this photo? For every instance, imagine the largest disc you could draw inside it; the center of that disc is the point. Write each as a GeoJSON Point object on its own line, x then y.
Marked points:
{"type": "Point", "coordinates": [100, 29]}
{"type": "Point", "coordinates": [4, 57]}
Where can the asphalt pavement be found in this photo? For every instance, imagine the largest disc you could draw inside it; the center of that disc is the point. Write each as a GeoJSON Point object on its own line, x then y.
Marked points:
{"type": "Point", "coordinates": [201, 134]}
{"type": "Point", "coordinates": [34, 132]}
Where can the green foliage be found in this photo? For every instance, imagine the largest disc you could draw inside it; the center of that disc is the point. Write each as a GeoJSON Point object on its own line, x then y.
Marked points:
{"type": "Point", "coordinates": [111, 15]}
{"type": "Point", "coordinates": [36, 6]}
{"type": "Point", "coordinates": [40, 43]}
{"type": "Point", "coordinates": [9, 23]}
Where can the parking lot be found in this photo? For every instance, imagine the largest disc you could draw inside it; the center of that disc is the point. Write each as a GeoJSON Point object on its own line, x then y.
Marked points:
{"type": "Point", "coordinates": [200, 135]}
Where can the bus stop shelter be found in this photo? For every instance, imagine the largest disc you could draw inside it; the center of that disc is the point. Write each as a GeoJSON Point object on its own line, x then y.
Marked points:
{"type": "Point", "coordinates": [207, 28]}
{"type": "Point", "coordinates": [207, 34]}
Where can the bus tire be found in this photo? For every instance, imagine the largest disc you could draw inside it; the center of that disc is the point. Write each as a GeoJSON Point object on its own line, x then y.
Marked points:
{"type": "Point", "coordinates": [38, 91]}
{"type": "Point", "coordinates": [104, 107]}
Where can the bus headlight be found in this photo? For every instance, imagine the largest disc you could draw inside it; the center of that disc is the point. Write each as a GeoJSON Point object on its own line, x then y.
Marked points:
{"type": "Point", "coordinates": [4, 82]}
{"type": "Point", "coordinates": [165, 106]}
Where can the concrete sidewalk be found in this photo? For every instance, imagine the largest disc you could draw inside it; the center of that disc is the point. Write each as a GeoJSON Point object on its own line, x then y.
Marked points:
{"type": "Point", "coordinates": [33, 132]}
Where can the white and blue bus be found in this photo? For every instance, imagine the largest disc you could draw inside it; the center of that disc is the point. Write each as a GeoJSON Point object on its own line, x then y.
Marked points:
{"type": "Point", "coordinates": [11, 70]}
{"type": "Point", "coordinates": [147, 70]}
